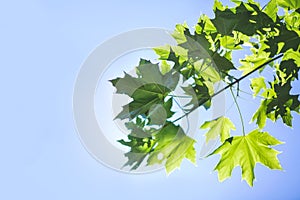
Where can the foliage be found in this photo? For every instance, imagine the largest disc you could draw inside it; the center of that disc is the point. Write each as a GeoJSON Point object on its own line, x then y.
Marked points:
{"type": "Point", "coordinates": [199, 61]}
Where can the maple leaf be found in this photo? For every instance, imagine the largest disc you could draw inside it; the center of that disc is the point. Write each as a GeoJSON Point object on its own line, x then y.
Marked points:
{"type": "Point", "coordinates": [159, 113]}
{"type": "Point", "coordinates": [147, 90]}
{"type": "Point", "coordinates": [218, 127]}
{"type": "Point", "coordinates": [288, 69]}
{"type": "Point", "coordinates": [201, 59]}
{"type": "Point", "coordinates": [289, 4]}
{"type": "Point", "coordinates": [207, 72]}
{"type": "Point", "coordinates": [272, 9]}
{"type": "Point", "coordinates": [197, 45]}
{"type": "Point", "coordinates": [172, 146]}
{"type": "Point", "coordinates": [257, 84]}
{"type": "Point", "coordinates": [289, 39]}
{"type": "Point", "coordinates": [198, 48]}
{"type": "Point", "coordinates": [140, 142]}
{"type": "Point", "coordinates": [221, 63]}
{"type": "Point", "coordinates": [246, 151]}
{"type": "Point", "coordinates": [168, 145]}
{"type": "Point", "coordinates": [246, 18]}
{"type": "Point", "coordinates": [283, 103]}
{"type": "Point", "coordinates": [292, 55]}
{"type": "Point", "coordinates": [251, 62]}
{"type": "Point", "coordinates": [260, 116]}
{"type": "Point", "coordinates": [200, 95]}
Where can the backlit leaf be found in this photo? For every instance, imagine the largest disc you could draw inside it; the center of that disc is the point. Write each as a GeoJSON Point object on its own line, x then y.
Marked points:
{"type": "Point", "coordinates": [218, 127]}
{"type": "Point", "coordinates": [246, 151]}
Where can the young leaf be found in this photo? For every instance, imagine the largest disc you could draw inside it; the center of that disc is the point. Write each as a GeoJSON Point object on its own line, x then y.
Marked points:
{"type": "Point", "coordinates": [165, 67]}
{"type": "Point", "coordinates": [218, 127]}
{"type": "Point", "coordinates": [246, 151]}
{"type": "Point", "coordinates": [208, 73]}
{"type": "Point", "coordinates": [172, 147]}
{"type": "Point", "coordinates": [289, 4]}
{"type": "Point", "coordinates": [251, 62]}
{"type": "Point", "coordinates": [271, 10]}
{"type": "Point", "coordinates": [260, 116]}
{"type": "Point", "coordinates": [292, 55]}
{"type": "Point", "coordinates": [257, 84]}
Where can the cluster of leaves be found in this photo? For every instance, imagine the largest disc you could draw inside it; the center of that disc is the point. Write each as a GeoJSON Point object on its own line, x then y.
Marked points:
{"type": "Point", "coordinates": [202, 59]}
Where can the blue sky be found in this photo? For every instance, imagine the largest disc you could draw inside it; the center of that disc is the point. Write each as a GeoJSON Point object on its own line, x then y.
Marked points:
{"type": "Point", "coordinates": [43, 44]}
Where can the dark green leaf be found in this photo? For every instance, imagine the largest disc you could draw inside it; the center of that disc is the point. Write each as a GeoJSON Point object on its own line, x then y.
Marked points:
{"type": "Point", "coordinates": [290, 40]}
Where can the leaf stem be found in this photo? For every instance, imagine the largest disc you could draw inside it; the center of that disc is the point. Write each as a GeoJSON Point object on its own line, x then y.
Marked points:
{"type": "Point", "coordinates": [170, 95]}
{"type": "Point", "coordinates": [239, 110]}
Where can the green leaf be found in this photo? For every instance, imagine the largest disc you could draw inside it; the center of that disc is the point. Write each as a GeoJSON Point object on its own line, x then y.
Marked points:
{"type": "Point", "coordinates": [289, 4]}
{"type": "Point", "coordinates": [168, 145]}
{"type": "Point", "coordinates": [292, 20]}
{"type": "Point", "coordinates": [197, 45]}
{"type": "Point", "coordinates": [228, 20]}
{"type": "Point", "coordinates": [229, 43]}
{"type": "Point", "coordinates": [159, 113]}
{"type": "Point", "coordinates": [172, 147]}
{"type": "Point", "coordinates": [260, 116]}
{"type": "Point", "coordinates": [257, 84]}
{"type": "Point", "coordinates": [272, 9]}
{"type": "Point", "coordinates": [162, 51]}
{"type": "Point", "coordinates": [218, 6]}
{"type": "Point", "coordinates": [200, 95]}
{"type": "Point", "coordinates": [292, 55]}
{"type": "Point", "coordinates": [208, 73]}
{"type": "Point", "coordinates": [251, 62]}
{"type": "Point", "coordinates": [225, 21]}
{"type": "Point", "coordinates": [287, 70]}
{"type": "Point", "coordinates": [150, 73]}
{"type": "Point", "coordinates": [165, 67]}
{"type": "Point", "coordinates": [246, 151]}
{"type": "Point", "coordinates": [283, 103]}
{"type": "Point", "coordinates": [289, 39]}
{"type": "Point", "coordinates": [126, 85]}
{"type": "Point", "coordinates": [246, 18]}
{"type": "Point", "coordinates": [140, 142]}
{"type": "Point", "coordinates": [221, 63]}
{"type": "Point", "coordinates": [179, 33]}
{"type": "Point", "coordinates": [147, 90]}
{"type": "Point", "coordinates": [139, 107]}
{"type": "Point", "coordinates": [218, 127]}
{"type": "Point", "coordinates": [205, 25]}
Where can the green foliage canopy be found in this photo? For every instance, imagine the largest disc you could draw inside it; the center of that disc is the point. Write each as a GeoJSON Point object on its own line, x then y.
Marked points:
{"type": "Point", "coordinates": [201, 59]}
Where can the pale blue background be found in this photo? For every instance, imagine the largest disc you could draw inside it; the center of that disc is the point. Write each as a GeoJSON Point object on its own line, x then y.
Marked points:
{"type": "Point", "coordinates": [42, 45]}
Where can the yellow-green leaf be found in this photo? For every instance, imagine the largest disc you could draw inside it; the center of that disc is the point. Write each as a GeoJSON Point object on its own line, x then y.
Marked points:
{"type": "Point", "coordinates": [172, 147]}
{"type": "Point", "coordinates": [257, 84]}
{"type": "Point", "coordinates": [260, 116]}
{"type": "Point", "coordinates": [218, 127]}
{"type": "Point", "coordinates": [271, 10]}
{"type": "Point", "coordinates": [246, 151]}
{"type": "Point", "coordinates": [289, 4]}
